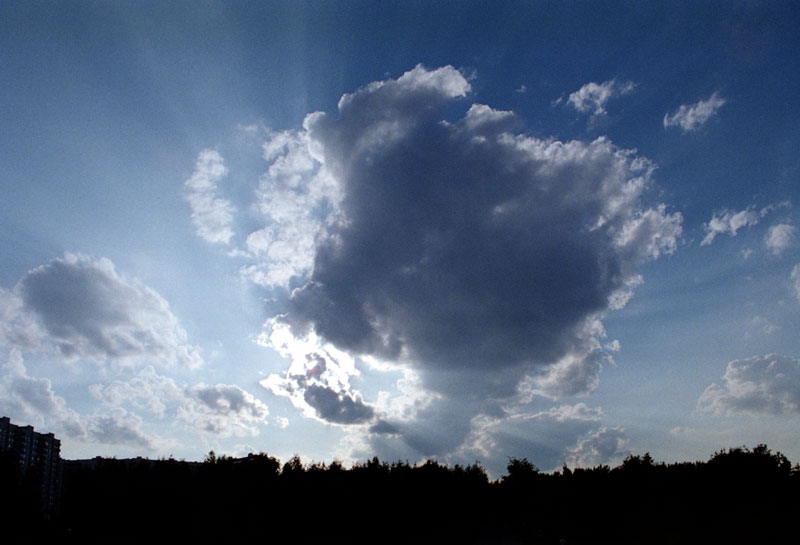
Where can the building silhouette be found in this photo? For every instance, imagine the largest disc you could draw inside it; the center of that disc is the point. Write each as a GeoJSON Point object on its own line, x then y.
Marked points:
{"type": "Point", "coordinates": [38, 456]}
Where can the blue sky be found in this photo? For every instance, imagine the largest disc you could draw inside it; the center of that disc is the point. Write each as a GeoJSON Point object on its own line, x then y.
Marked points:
{"type": "Point", "coordinates": [453, 230]}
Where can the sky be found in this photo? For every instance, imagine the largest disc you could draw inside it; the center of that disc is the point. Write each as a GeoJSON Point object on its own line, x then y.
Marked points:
{"type": "Point", "coordinates": [461, 231]}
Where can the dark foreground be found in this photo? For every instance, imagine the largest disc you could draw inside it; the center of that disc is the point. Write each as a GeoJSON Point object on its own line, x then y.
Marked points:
{"type": "Point", "coordinates": [738, 496]}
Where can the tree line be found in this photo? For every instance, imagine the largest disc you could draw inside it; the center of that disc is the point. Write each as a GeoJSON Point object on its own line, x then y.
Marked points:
{"type": "Point", "coordinates": [739, 495]}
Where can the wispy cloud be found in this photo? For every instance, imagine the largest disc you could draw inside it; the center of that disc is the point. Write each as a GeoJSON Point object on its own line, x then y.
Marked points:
{"type": "Point", "coordinates": [795, 278]}
{"type": "Point", "coordinates": [690, 117]}
{"type": "Point", "coordinates": [212, 216]}
{"type": "Point", "coordinates": [593, 97]}
{"type": "Point", "coordinates": [730, 222]}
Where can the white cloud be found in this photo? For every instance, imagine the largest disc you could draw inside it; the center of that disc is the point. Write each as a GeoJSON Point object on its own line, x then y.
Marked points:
{"type": "Point", "coordinates": [729, 222]}
{"type": "Point", "coordinates": [83, 308]}
{"type": "Point", "coordinates": [212, 216]}
{"type": "Point", "coordinates": [692, 117]}
{"type": "Point", "coordinates": [779, 237]}
{"type": "Point", "coordinates": [594, 96]}
{"type": "Point", "coordinates": [299, 202]}
{"type": "Point", "coordinates": [605, 446]}
{"type": "Point", "coordinates": [761, 385]}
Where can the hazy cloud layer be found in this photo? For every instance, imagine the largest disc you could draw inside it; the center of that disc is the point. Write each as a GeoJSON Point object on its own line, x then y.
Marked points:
{"type": "Point", "coordinates": [795, 278]}
{"type": "Point", "coordinates": [593, 97]}
{"type": "Point", "coordinates": [221, 409]}
{"type": "Point", "coordinates": [212, 216]}
{"type": "Point", "coordinates": [761, 385]}
{"type": "Point", "coordinates": [570, 434]}
{"type": "Point", "coordinates": [690, 117]}
{"type": "Point", "coordinates": [84, 309]}
{"type": "Point", "coordinates": [33, 400]}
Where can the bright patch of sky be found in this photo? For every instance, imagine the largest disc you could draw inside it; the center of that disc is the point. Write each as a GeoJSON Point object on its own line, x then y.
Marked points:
{"type": "Point", "coordinates": [461, 231]}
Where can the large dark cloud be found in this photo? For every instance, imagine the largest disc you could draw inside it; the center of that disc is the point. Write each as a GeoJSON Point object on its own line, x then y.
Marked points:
{"type": "Point", "coordinates": [477, 260]}
{"type": "Point", "coordinates": [464, 246]}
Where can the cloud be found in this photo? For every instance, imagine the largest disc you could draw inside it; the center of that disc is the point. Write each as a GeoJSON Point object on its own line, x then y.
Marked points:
{"type": "Point", "coordinates": [84, 309]}
{"type": "Point", "coordinates": [33, 400]}
{"type": "Point", "coordinates": [119, 427]}
{"type": "Point", "coordinates": [605, 446]}
{"type": "Point", "coordinates": [298, 200]}
{"type": "Point", "coordinates": [593, 96]}
{"type": "Point", "coordinates": [30, 399]}
{"type": "Point", "coordinates": [476, 261]}
{"type": "Point", "coordinates": [461, 245]}
{"type": "Point", "coordinates": [212, 216]}
{"type": "Point", "coordinates": [692, 117]}
{"type": "Point", "coordinates": [795, 278]}
{"type": "Point", "coordinates": [761, 385]}
{"type": "Point", "coordinates": [779, 237]}
{"type": "Point", "coordinates": [221, 409]}
{"type": "Point", "coordinates": [318, 381]}
{"type": "Point", "coordinates": [147, 391]}
{"type": "Point", "coordinates": [570, 434]}
{"type": "Point", "coordinates": [729, 222]}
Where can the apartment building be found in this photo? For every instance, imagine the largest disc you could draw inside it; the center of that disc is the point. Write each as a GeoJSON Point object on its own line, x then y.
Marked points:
{"type": "Point", "coordinates": [39, 459]}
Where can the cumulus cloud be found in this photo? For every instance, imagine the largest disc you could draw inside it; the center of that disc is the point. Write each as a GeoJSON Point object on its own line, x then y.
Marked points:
{"type": "Point", "coordinates": [692, 117]}
{"type": "Point", "coordinates": [84, 309]}
{"type": "Point", "coordinates": [593, 97]}
{"type": "Point", "coordinates": [761, 385]}
{"type": "Point", "coordinates": [779, 237]}
{"type": "Point", "coordinates": [470, 257]}
{"type": "Point", "coordinates": [605, 446]}
{"type": "Point", "coordinates": [212, 216]}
